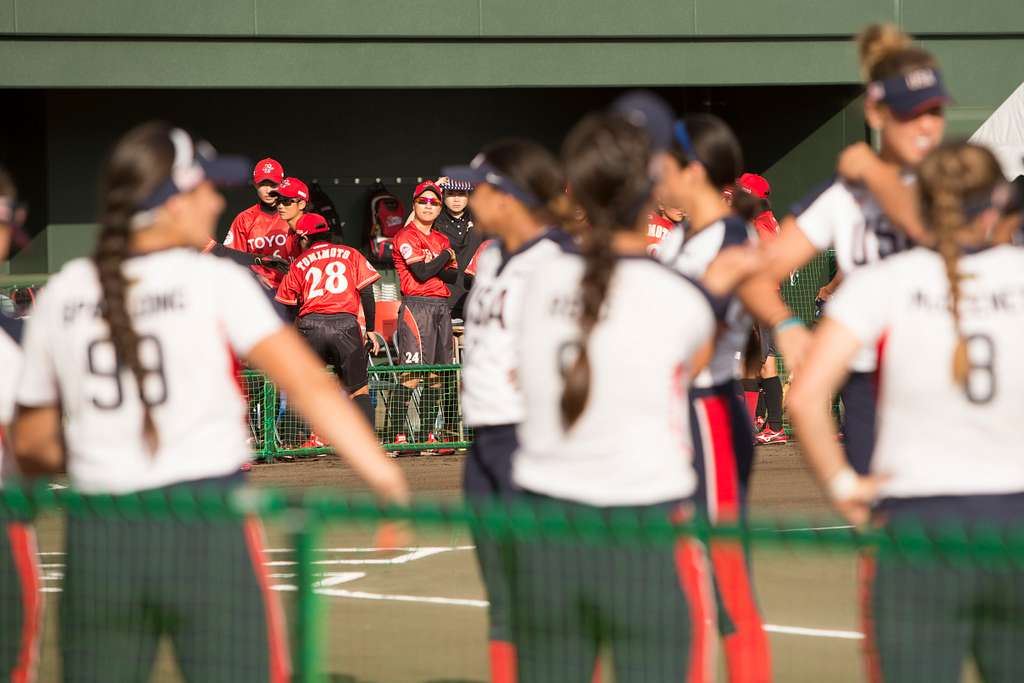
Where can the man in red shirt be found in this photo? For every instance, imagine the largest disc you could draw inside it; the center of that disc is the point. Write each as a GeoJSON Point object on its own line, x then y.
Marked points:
{"type": "Point", "coordinates": [425, 262]}
{"type": "Point", "coordinates": [328, 282]}
{"type": "Point", "coordinates": [260, 230]}
{"type": "Point", "coordinates": [769, 385]}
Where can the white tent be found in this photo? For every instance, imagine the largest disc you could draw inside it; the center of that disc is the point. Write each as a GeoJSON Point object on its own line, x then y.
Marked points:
{"type": "Point", "coordinates": [1003, 133]}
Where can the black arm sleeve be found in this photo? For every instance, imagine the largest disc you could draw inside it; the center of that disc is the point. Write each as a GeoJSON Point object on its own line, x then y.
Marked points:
{"type": "Point", "coordinates": [424, 270]}
{"type": "Point", "coordinates": [448, 275]}
{"type": "Point", "coordinates": [369, 307]}
{"type": "Point", "coordinates": [240, 257]}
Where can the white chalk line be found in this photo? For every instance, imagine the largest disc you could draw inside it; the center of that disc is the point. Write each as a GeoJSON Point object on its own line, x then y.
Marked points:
{"type": "Point", "coordinates": [809, 528]}
{"type": "Point", "coordinates": [814, 632]}
{"type": "Point", "coordinates": [324, 586]}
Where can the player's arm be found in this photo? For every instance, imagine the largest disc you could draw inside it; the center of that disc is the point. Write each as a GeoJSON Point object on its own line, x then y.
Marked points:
{"type": "Point", "coordinates": [424, 270]}
{"type": "Point", "coordinates": [240, 257]}
{"type": "Point", "coordinates": [255, 334]}
{"type": "Point", "coordinates": [789, 251]}
{"type": "Point", "coordinates": [809, 403]}
{"type": "Point", "coordinates": [38, 441]}
{"type": "Point", "coordinates": [826, 292]}
{"type": "Point", "coordinates": [293, 367]}
{"type": "Point", "coordinates": [859, 164]}
{"type": "Point", "coordinates": [36, 433]}
{"type": "Point", "coordinates": [366, 275]}
{"type": "Point", "coordinates": [289, 294]}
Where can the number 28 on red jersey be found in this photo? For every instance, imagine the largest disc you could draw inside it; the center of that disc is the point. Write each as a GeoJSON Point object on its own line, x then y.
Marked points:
{"type": "Point", "coordinates": [326, 278]}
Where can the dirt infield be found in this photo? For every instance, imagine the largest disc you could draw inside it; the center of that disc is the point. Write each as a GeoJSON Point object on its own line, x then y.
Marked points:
{"type": "Point", "coordinates": [416, 615]}
{"type": "Point", "coordinates": [782, 485]}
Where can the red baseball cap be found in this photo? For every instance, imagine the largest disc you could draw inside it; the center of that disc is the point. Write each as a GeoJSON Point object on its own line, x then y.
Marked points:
{"type": "Point", "coordinates": [267, 169]}
{"type": "Point", "coordinates": [427, 186]}
{"type": "Point", "coordinates": [310, 224]}
{"type": "Point", "coordinates": [291, 188]}
{"type": "Point", "coordinates": [755, 185]}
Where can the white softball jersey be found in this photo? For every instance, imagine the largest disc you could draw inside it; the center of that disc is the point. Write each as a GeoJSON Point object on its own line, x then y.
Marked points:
{"type": "Point", "coordinates": [935, 436]}
{"type": "Point", "coordinates": [848, 219]}
{"type": "Point", "coordinates": [691, 254]}
{"type": "Point", "coordinates": [194, 314]}
{"type": "Point", "coordinates": [490, 392]}
{"type": "Point", "coordinates": [631, 445]}
{"type": "Point", "coordinates": [10, 367]}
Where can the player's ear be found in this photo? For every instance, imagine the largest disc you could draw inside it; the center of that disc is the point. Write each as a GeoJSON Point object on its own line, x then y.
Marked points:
{"type": "Point", "coordinates": [874, 114]}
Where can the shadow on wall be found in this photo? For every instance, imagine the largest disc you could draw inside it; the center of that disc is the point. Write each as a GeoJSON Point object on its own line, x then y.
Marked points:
{"type": "Point", "coordinates": [345, 134]}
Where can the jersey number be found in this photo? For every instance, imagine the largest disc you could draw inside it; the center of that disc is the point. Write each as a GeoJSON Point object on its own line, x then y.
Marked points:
{"type": "Point", "coordinates": [336, 282]}
{"type": "Point", "coordinates": [102, 363]}
{"type": "Point", "coordinates": [981, 374]}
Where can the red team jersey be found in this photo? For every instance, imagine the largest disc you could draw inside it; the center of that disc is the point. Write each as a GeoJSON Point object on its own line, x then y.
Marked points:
{"type": "Point", "coordinates": [471, 268]}
{"type": "Point", "coordinates": [658, 227]}
{"type": "Point", "coordinates": [767, 226]}
{"type": "Point", "coordinates": [326, 278]}
{"type": "Point", "coordinates": [255, 231]}
{"type": "Point", "coordinates": [412, 246]}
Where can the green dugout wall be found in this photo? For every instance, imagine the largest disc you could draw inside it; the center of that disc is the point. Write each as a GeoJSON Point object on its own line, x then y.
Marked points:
{"type": "Point", "coordinates": [394, 88]}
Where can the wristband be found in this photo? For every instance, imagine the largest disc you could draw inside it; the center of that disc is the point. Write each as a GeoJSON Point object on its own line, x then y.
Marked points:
{"type": "Point", "coordinates": [843, 484]}
{"type": "Point", "coordinates": [791, 321]}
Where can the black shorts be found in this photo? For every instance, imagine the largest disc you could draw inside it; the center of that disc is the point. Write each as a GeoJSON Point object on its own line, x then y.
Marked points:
{"type": "Point", "coordinates": [859, 396]}
{"type": "Point", "coordinates": [488, 470]}
{"type": "Point", "coordinates": [925, 613]}
{"type": "Point", "coordinates": [424, 331]}
{"type": "Point", "coordinates": [767, 340]}
{"type": "Point", "coordinates": [338, 340]}
{"type": "Point", "coordinates": [202, 583]}
{"type": "Point", "coordinates": [647, 602]}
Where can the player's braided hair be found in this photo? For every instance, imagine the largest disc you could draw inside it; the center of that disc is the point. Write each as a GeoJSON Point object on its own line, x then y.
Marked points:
{"type": "Point", "coordinates": [952, 176]}
{"type": "Point", "coordinates": [607, 161]}
{"type": "Point", "coordinates": [139, 162]}
{"type": "Point", "coordinates": [886, 51]}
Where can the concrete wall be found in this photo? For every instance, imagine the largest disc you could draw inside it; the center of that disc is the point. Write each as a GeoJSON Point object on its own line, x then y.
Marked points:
{"type": "Point", "coordinates": [346, 88]}
{"type": "Point", "coordinates": [339, 135]}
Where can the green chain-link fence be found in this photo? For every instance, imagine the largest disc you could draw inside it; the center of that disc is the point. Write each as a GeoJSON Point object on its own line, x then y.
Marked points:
{"type": "Point", "coordinates": [359, 612]}
{"type": "Point", "coordinates": [419, 402]}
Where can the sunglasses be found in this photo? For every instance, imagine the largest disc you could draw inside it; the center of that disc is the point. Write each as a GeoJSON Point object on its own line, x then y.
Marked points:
{"type": "Point", "coordinates": [427, 201]}
{"type": "Point", "coordinates": [285, 201]}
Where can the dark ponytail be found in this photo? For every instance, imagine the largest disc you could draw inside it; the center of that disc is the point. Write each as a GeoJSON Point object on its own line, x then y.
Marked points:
{"type": "Point", "coordinates": [715, 146]}
{"type": "Point", "coordinates": [607, 161]}
{"type": "Point", "coordinates": [139, 163]}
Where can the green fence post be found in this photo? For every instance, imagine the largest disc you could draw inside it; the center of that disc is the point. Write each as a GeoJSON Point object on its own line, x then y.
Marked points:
{"type": "Point", "coordinates": [269, 419]}
{"type": "Point", "coordinates": [308, 625]}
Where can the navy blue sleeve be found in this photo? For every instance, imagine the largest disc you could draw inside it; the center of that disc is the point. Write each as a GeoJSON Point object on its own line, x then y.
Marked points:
{"type": "Point", "coordinates": [812, 196]}
{"type": "Point", "coordinates": [736, 232]}
{"type": "Point", "coordinates": [12, 327]}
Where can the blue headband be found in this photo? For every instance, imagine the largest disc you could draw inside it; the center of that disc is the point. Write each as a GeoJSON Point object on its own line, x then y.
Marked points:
{"type": "Point", "coordinates": [481, 171]}
{"type": "Point", "coordinates": [910, 94]}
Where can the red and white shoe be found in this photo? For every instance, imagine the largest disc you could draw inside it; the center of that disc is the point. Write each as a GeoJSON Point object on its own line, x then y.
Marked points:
{"type": "Point", "coordinates": [440, 451]}
{"type": "Point", "coordinates": [313, 442]}
{"type": "Point", "coordinates": [400, 439]}
{"type": "Point", "coordinates": [770, 436]}
{"type": "Point", "coordinates": [246, 467]}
